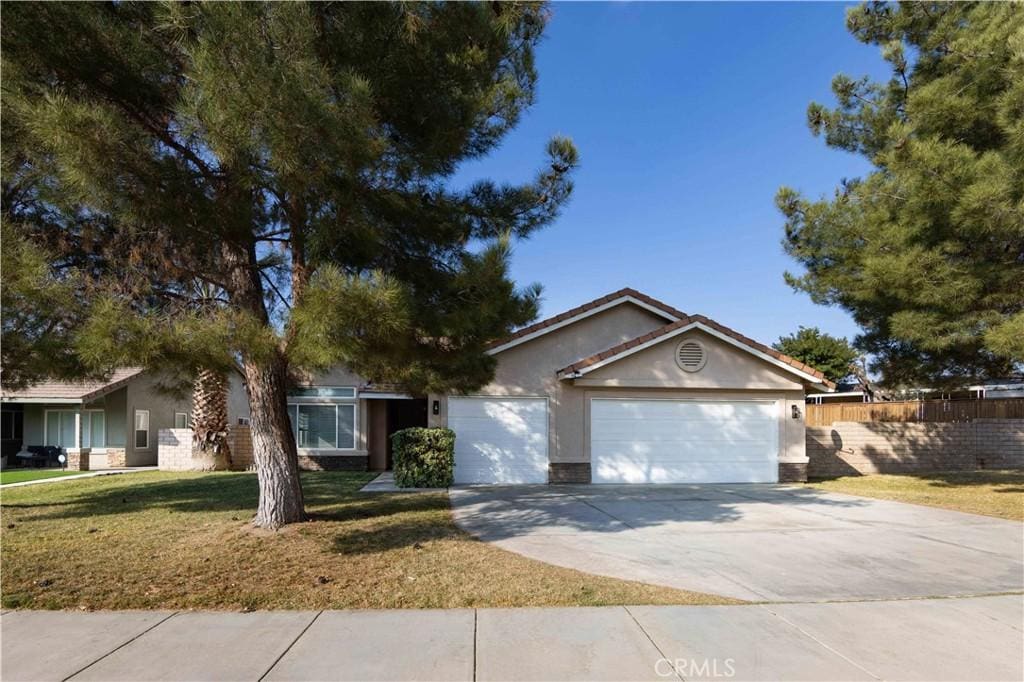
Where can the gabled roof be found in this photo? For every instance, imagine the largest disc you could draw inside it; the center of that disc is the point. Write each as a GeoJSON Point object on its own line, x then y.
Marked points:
{"type": "Point", "coordinates": [707, 325]}
{"type": "Point", "coordinates": [611, 300]}
{"type": "Point", "coordinates": [72, 391]}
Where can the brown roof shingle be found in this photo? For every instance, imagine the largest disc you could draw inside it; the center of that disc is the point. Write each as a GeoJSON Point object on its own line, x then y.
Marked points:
{"type": "Point", "coordinates": [72, 390]}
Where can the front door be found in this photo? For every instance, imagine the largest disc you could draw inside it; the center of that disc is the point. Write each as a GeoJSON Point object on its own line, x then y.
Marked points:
{"type": "Point", "coordinates": [404, 414]}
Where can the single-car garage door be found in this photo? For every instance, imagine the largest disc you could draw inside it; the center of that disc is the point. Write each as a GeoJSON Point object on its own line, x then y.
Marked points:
{"type": "Point", "coordinates": [500, 440]}
{"type": "Point", "coordinates": [683, 441]}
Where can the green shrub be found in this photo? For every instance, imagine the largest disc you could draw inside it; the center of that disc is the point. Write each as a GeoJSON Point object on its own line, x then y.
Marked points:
{"type": "Point", "coordinates": [424, 458]}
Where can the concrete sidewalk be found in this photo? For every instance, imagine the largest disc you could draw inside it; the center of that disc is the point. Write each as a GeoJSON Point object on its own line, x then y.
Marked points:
{"type": "Point", "coordinates": [76, 477]}
{"type": "Point", "coordinates": [950, 639]}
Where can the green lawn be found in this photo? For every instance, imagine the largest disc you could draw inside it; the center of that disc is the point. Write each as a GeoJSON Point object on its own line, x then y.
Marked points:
{"type": "Point", "coordinates": [21, 475]}
{"type": "Point", "coordinates": [158, 540]}
{"type": "Point", "coordinates": [992, 493]}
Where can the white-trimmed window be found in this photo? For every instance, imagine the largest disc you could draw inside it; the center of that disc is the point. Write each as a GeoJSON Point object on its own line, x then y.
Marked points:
{"type": "Point", "coordinates": [94, 429]}
{"type": "Point", "coordinates": [323, 417]}
{"type": "Point", "coordinates": [181, 420]}
{"type": "Point", "coordinates": [328, 392]}
{"type": "Point", "coordinates": [141, 429]}
{"type": "Point", "coordinates": [60, 428]}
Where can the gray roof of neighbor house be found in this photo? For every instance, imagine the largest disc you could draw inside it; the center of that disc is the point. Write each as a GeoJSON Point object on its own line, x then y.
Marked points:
{"type": "Point", "coordinates": [71, 391]}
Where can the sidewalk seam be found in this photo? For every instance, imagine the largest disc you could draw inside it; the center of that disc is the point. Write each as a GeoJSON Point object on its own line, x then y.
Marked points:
{"type": "Point", "coordinates": [653, 643]}
{"type": "Point", "coordinates": [475, 612]}
{"type": "Point", "coordinates": [807, 634]}
{"type": "Point", "coordinates": [289, 647]}
{"type": "Point", "coordinates": [122, 645]}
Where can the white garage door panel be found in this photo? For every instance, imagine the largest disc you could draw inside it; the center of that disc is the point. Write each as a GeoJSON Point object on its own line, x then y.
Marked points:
{"type": "Point", "coordinates": [500, 440]}
{"type": "Point", "coordinates": [676, 441]}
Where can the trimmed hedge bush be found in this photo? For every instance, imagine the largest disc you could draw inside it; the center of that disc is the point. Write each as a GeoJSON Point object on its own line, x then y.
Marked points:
{"type": "Point", "coordinates": [424, 458]}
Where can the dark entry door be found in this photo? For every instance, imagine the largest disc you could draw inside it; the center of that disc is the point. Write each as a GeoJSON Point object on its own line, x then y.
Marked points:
{"type": "Point", "coordinates": [404, 414]}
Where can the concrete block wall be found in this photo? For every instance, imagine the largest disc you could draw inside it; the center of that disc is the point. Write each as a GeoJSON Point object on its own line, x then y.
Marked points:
{"type": "Point", "coordinates": [999, 445]}
{"type": "Point", "coordinates": [850, 448]}
{"type": "Point", "coordinates": [174, 449]}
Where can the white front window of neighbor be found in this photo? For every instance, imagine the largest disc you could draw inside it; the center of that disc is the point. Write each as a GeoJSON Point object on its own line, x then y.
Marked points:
{"type": "Point", "coordinates": [60, 428]}
{"type": "Point", "coordinates": [181, 420]}
{"type": "Point", "coordinates": [324, 425]}
{"type": "Point", "coordinates": [94, 429]}
{"type": "Point", "coordinates": [141, 429]}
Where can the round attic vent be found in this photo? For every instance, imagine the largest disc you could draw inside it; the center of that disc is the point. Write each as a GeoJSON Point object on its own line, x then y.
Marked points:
{"type": "Point", "coordinates": [690, 356]}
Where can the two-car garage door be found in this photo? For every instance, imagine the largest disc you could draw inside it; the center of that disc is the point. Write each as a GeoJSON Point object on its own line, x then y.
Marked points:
{"type": "Point", "coordinates": [504, 440]}
{"type": "Point", "coordinates": [683, 441]}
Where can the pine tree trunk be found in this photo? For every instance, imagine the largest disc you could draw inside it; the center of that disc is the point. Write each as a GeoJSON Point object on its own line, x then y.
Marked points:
{"type": "Point", "coordinates": [273, 446]}
{"type": "Point", "coordinates": [277, 462]}
{"type": "Point", "coordinates": [210, 450]}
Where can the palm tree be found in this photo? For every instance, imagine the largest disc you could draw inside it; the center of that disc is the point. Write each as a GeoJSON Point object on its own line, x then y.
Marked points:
{"type": "Point", "coordinates": [210, 449]}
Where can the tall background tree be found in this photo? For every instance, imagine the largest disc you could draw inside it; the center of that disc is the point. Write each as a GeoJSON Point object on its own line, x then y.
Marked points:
{"type": "Point", "coordinates": [298, 160]}
{"type": "Point", "coordinates": [832, 355]}
{"type": "Point", "coordinates": [927, 251]}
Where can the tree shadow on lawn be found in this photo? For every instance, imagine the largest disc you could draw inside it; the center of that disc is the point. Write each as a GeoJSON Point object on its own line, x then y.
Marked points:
{"type": "Point", "coordinates": [384, 537]}
{"type": "Point", "coordinates": [328, 495]}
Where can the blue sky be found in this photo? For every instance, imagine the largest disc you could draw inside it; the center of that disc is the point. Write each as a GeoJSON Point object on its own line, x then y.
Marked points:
{"type": "Point", "coordinates": [688, 117]}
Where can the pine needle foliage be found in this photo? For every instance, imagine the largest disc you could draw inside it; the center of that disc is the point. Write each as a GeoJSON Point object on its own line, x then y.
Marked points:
{"type": "Point", "coordinates": [927, 251]}
{"type": "Point", "coordinates": [314, 140]}
{"type": "Point", "coordinates": [293, 159]}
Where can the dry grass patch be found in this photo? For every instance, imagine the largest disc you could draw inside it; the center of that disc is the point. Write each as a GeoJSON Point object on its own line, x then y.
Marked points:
{"type": "Point", "coordinates": [991, 493]}
{"type": "Point", "coordinates": [182, 541]}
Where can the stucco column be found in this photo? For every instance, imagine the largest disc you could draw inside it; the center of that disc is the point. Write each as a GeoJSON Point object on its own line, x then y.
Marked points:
{"type": "Point", "coordinates": [793, 454]}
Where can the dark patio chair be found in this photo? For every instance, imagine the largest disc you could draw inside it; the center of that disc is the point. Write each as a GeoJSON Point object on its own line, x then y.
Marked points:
{"type": "Point", "coordinates": [40, 456]}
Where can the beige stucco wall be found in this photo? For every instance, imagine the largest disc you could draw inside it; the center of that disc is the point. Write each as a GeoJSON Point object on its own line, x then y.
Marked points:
{"type": "Point", "coordinates": [529, 370]}
{"type": "Point", "coordinates": [726, 367]}
{"type": "Point", "coordinates": [730, 373]}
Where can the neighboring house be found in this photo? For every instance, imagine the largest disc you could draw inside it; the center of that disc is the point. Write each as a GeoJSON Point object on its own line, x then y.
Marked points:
{"type": "Point", "coordinates": [624, 389]}
{"type": "Point", "coordinates": [98, 424]}
{"type": "Point", "coordinates": [844, 393]}
{"type": "Point", "coordinates": [992, 389]}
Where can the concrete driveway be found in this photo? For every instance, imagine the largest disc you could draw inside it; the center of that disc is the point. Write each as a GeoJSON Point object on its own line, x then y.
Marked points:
{"type": "Point", "coordinates": [751, 541]}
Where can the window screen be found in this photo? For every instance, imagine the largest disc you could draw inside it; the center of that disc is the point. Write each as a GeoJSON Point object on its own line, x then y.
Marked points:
{"type": "Point", "coordinates": [317, 426]}
{"type": "Point", "coordinates": [94, 431]}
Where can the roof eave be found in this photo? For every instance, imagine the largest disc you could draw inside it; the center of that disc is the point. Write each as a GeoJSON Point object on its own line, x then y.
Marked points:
{"type": "Point", "coordinates": [583, 314]}
{"type": "Point", "coordinates": [812, 381]}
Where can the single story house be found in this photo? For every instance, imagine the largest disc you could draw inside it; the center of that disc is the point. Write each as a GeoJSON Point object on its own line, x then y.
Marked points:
{"type": "Point", "coordinates": [991, 389]}
{"type": "Point", "coordinates": [623, 389]}
{"type": "Point", "coordinates": [97, 424]}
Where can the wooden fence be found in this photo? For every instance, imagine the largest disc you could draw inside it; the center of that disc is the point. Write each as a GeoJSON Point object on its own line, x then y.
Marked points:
{"type": "Point", "coordinates": [916, 411]}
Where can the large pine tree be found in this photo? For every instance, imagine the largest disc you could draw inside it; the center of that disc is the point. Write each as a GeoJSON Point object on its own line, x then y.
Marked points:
{"type": "Point", "coordinates": [294, 158]}
{"type": "Point", "coordinates": [926, 251]}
